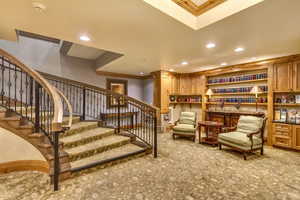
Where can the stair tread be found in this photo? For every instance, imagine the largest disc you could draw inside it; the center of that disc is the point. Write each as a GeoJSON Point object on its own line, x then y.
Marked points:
{"type": "Point", "coordinates": [86, 134]}
{"type": "Point", "coordinates": [97, 144]}
{"type": "Point", "coordinates": [81, 124]}
{"type": "Point", "coordinates": [128, 148]}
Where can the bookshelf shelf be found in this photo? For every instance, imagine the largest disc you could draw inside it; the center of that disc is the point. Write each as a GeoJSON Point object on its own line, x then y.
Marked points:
{"type": "Point", "coordinates": [237, 93]}
{"type": "Point", "coordinates": [238, 82]}
{"type": "Point", "coordinates": [246, 104]}
{"type": "Point", "coordinates": [287, 104]}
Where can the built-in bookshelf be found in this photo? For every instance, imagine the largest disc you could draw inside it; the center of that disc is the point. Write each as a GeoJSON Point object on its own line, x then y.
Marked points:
{"type": "Point", "coordinates": [235, 89]}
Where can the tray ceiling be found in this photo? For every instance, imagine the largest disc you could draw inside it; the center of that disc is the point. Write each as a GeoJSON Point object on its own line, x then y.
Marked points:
{"type": "Point", "coordinates": [198, 7]}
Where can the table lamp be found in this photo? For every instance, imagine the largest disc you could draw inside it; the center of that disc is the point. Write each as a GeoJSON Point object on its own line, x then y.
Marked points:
{"type": "Point", "coordinates": [256, 90]}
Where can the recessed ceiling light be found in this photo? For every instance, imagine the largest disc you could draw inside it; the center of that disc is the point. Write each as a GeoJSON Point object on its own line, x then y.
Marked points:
{"type": "Point", "coordinates": [210, 45]}
{"type": "Point", "coordinates": [224, 64]}
{"type": "Point", "coordinates": [171, 70]}
{"type": "Point", "coordinates": [239, 49]}
{"type": "Point", "coordinates": [253, 58]}
{"type": "Point", "coordinates": [142, 73]}
{"type": "Point", "coordinates": [38, 6]}
{"type": "Point", "coordinates": [85, 38]}
{"type": "Point", "coordinates": [184, 63]}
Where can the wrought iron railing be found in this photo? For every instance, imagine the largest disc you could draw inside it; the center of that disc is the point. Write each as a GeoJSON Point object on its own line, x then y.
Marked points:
{"type": "Point", "coordinates": [26, 93]}
{"type": "Point", "coordinates": [121, 112]}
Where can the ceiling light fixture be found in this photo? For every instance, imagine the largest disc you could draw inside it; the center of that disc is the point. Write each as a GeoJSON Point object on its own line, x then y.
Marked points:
{"type": "Point", "coordinates": [210, 45]}
{"type": "Point", "coordinates": [184, 63]}
{"type": "Point", "coordinates": [239, 49]}
{"type": "Point", "coordinates": [224, 64]}
{"type": "Point", "coordinates": [38, 6]}
{"type": "Point", "coordinates": [142, 73]}
{"type": "Point", "coordinates": [253, 58]}
{"type": "Point", "coordinates": [171, 70]}
{"type": "Point", "coordinates": [85, 38]}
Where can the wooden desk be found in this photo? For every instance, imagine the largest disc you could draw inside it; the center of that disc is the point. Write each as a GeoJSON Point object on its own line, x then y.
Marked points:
{"type": "Point", "coordinates": [210, 138]}
{"type": "Point", "coordinates": [229, 118]}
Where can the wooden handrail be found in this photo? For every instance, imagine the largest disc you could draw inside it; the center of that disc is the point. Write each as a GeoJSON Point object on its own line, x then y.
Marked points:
{"type": "Point", "coordinates": [69, 108]}
{"type": "Point", "coordinates": [58, 107]}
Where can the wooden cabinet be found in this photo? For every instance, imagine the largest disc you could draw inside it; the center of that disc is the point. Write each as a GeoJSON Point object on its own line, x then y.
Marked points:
{"type": "Point", "coordinates": [283, 77]}
{"type": "Point", "coordinates": [286, 135]}
{"type": "Point", "coordinates": [296, 76]}
{"type": "Point", "coordinates": [296, 137]}
{"type": "Point", "coordinates": [282, 135]}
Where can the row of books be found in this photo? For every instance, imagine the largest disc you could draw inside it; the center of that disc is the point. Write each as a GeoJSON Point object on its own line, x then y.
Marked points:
{"type": "Point", "coordinates": [264, 88]}
{"type": "Point", "coordinates": [238, 78]}
{"type": "Point", "coordinates": [240, 100]}
{"type": "Point", "coordinates": [287, 116]}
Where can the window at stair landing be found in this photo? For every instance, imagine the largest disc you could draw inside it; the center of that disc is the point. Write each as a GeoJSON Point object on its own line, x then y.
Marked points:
{"type": "Point", "coordinates": [119, 87]}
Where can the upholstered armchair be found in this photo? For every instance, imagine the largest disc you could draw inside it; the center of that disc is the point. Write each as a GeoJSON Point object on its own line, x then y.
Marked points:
{"type": "Point", "coordinates": [186, 125]}
{"type": "Point", "coordinates": [247, 136]}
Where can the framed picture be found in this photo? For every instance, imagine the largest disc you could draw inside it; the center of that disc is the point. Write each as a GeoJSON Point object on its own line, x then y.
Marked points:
{"type": "Point", "coordinates": [119, 87]}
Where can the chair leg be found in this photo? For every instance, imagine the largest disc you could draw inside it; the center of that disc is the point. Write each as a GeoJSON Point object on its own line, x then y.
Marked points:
{"type": "Point", "coordinates": [220, 146]}
{"type": "Point", "coordinates": [262, 151]}
{"type": "Point", "coordinates": [173, 136]}
{"type": "Point", "coordinates": [245, 156]}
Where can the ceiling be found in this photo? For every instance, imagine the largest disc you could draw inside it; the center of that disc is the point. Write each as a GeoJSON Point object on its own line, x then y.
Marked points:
{"type": "Point", "coordinates": [151, 40]}
{"type": "Point", "coordinates": [85, 52]}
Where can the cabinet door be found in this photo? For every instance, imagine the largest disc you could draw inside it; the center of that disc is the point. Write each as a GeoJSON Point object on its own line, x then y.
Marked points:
{"type": "Point", "coordinates": [165, 92]}
{"type": "Point", "coordinates": [296, 76]}
{"type": "Point", "coordinates": [296, 137]}
{"type": "Point", "coordinates": [281, 135]}
{"type": "Point", "coordinates": [283, 77]}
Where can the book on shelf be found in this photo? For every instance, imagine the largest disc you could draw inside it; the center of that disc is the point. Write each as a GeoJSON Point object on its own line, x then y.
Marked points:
{"type": "Point", "coordinates": [297, 98]}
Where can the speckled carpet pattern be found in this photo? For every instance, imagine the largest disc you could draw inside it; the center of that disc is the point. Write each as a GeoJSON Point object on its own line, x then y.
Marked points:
{"type": "Point", "coordinates": [183, 171]}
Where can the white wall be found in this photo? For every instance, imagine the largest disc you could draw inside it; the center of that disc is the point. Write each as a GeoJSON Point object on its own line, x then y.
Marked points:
{"type": "Point", "coordinates": [45, 57]}
{"type": "Point", "coordinates": [11, 145]}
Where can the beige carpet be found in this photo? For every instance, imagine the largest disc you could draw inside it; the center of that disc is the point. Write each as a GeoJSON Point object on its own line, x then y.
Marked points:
{"type": "Point", "coordinates": [184, 170]}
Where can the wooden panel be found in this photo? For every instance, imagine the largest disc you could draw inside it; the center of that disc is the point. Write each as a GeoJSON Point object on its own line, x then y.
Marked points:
{"type": "Point", "coordinates": [24, 165]}
{"type": "Point", "coordinates": [198, 9]}
{"type": "Point", "coordinates": [282, 142]}
{"type": "Point", "coordinates": [282, 77]}
{"type": "Point", "coordinates": [296, 76]}
{"type": "Point", "coordinates": [296, 137]}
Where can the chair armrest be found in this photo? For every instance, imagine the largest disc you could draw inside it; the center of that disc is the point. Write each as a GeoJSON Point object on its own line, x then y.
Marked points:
{"type": "Point", "coordinates": [251, 134]}
{"type": "Point", "coordinates": [228, 129]}
{"type": "Point", "coordinates": [175, 123]}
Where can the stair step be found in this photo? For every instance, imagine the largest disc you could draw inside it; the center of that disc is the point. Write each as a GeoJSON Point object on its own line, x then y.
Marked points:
{"type": "Point", "coordinates": [128, 148]}
{"type": "Point", "coordinates": [96, 147]}
{"type": "Point", "coordinates": [79, 127]}
{"type": "Point", "coordinates": [2, 109]}
{"type": "Point", "coordinates": [86, 137]}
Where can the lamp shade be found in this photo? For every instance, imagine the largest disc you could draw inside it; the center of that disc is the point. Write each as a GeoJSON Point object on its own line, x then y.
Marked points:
{"type": "Point", "coordinates": [256, 90]}
{"type": "Point", "coordinates": [209, 92]}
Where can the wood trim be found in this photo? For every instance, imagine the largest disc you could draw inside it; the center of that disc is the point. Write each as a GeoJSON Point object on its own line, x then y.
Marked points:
{"type": "Point", "coordinates": [196, 10]}
{"type": "Point", "coordinates": [120, 75]}
{"type": "Point", "coordinates": [58, 107]}
{"type": "Point", "coordinates": [24, 165]}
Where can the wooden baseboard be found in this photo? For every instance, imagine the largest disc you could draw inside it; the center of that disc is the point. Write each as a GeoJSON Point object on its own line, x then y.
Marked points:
{"type": "Point", "coordinates": [24, 165]}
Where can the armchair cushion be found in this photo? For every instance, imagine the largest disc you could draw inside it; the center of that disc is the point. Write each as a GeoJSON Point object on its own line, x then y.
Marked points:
{"type": "Point", "coordinates": [187, 118]}
{"type": "Point", "coordinates": [239, 138]}
{"type": "Point", "coordinates": [184, 128]}
{"type": "Point", "coordinates": [249, 124]}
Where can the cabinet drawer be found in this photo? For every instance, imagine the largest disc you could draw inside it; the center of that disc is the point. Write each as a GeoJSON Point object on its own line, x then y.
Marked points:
{"type": "Point", "coordinates": [281, 141]}
{"type": "Point", "coordinates": [282, 127]}
{"type": "Point", "coordinates": [282, 130]}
